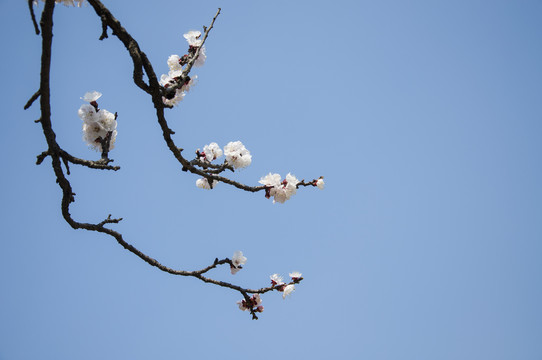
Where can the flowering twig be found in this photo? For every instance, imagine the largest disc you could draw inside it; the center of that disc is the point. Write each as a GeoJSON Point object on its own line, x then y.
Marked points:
{"type": "Point", "coordinates": [205, 169]}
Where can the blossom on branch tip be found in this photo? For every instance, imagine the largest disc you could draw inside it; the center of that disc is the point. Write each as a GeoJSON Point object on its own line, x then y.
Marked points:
{"type": "Point", "coordinates": [320, 183]}
{"type": "Point", "coordinates": [237, 155]}
{"type": "Point", "coordinates": [288, 290]}
{"type": "Point", "coordinates": [203, 183]}
{"type": "Point", "coordinates": [296, 275]}
{"type": "Point", "coordinates": [236, 262]}
{"type": "Point", "coordinates": [194, 40]}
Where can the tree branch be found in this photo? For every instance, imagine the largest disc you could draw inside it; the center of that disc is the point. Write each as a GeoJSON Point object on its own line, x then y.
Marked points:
{"type": "Point", "coordinates": [31, 8]}
{"type": "Point", "coordinates": [153, 88]}
{"type": "Point", "coordinates": [32, 99]}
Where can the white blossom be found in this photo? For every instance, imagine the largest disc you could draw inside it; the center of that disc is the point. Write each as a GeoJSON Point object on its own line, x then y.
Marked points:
{"type": "Point", "coordinates": [173, 63]}
{"type": "Point", "coordinates": [256, 299]}
{"type": "Point", "coordinates": [272, 180]}
{"type": "Point", "coordinates": [237, 155]}
{"type": "Point", "coordinates": [96, 128]}
{"type": "Point", "coordinates": [288, 290]}
{"type": "Point", "coordinates": [97, 124]}
{"type": "Point", "coordinates": [91, 96]}
{"type": "Point", "coordinates": [236, 262]}
{"type": "Point", "coordinates": [202, 56]}
{"type": "Point", "coordinates": [193, 38]}
{"type": "Point", "coordinates": [87, 113]}
{"type": "Point", "coordinates": [212, 151]}
{"type": "Point", "coordinates": [280, 190]}
{"type": "Point", "coordinates": [286, 189]}
{"type": "Point", "coordinates": [203, 183]}
{"type": "Point", "coordinates": [295, 275]}
{"type": "Point", "coordinates": [238, 258]}
{"type": "Point", "coordinates": [276, 280]}
{"type": "Point", "coordinates": [320, 183]}
{"type": "Point", "coordinates": [169, 80]}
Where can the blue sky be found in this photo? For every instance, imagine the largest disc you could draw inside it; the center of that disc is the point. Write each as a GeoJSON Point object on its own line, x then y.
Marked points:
{"type": "Point", "coordinates": [423, 116]}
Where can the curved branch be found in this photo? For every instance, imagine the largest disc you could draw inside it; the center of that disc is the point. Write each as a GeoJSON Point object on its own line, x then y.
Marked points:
{"type": "Point", "coordinates": [131, 45]}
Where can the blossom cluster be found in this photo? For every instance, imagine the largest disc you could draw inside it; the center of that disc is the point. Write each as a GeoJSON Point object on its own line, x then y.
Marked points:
{"type": "Point", "coordinates": [98, 124]}
{"type": "Point", "coordinates": [175, 83]}
{"type": "Point", "coordinates": [280, 190]}
{"type": "Point", "coordinates": [236, 154]}
{"type": "Point", "coordinates": [253, 304]}
{"type": "Point", "coordinates": [286, 289]}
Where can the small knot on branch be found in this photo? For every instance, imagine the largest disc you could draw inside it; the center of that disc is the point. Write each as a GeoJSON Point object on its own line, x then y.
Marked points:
{"type": "Point", "coordinates": [32, 99]}
{"type": "Point", "coordinates": [109, 220]}
{"type": "Point", "coordinates": [42, 157]}
{"type": "Point", "coordinates": [104, 27]}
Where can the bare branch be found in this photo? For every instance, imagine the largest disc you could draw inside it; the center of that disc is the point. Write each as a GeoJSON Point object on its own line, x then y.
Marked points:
{"type": "Point", "coordinates": [102, 165]}
{"type": "Point", "coordinates": [32, 99]}
{"type": "Point", "coordinates": [138, 57]}
{"type": "Point", "coordinates": [109, 221]}
{"type": "Point", "coordinates": [42, 157]}
{"type": "Point", "coordinates": [31, 8]}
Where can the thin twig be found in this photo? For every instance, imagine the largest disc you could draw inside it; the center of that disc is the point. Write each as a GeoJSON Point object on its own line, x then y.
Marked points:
{"type": "Point", "coordinates": [31, 8]}
{"type": "Point", "coordinates": [106, 143]}
{"type": "Point", "coordinates": [88, 163]}
{"type": "Point", "coordinates": [42, 157]}
{"type": "Point", "coordinates": [32, 99]}
{"type": "Point", "coordinates": [191, 62]}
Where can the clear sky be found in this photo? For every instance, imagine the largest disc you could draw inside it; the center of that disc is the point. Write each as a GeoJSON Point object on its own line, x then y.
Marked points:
{"type": "Point", "coordinates": [425, 118]}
